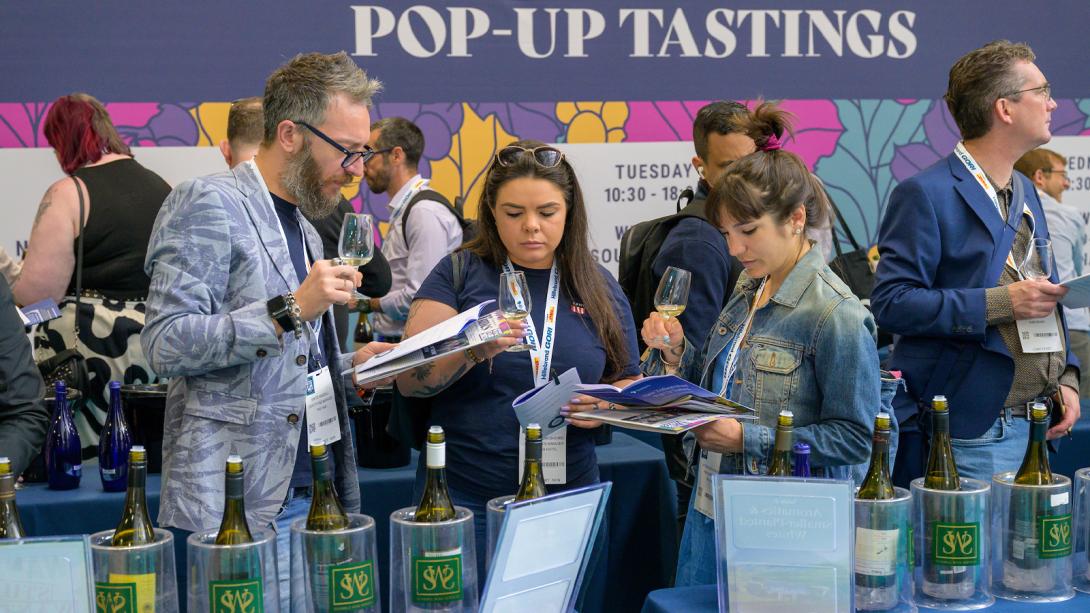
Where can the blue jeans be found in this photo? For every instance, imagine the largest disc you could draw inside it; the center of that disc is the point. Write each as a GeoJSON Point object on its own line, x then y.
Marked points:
{"type": "Point", "coordinates": [999, 449]}
{"type": "Point", "coordinates": [295, 507]}
{"type": "Point", "coordinates": [696, 558]}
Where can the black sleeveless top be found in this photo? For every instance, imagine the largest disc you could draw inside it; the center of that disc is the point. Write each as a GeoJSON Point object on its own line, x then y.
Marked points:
{"type": "Point", "coordinates": [124, 200]}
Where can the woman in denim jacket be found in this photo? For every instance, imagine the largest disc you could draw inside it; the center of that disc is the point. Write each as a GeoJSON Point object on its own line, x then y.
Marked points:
{"type": "Point", "coordinates": [792, 336]}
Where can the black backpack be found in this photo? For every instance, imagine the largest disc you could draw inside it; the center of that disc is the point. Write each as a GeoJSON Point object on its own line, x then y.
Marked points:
{"type": "Point", "coordinates": [640, 245]}
{"type": "Point", "coordinates": [469, 227]}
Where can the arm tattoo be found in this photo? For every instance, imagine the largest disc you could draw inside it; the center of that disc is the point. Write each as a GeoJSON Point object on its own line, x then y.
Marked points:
{"type": "Point", "coordinates": [422, 372]}
{"type": "Point", "coordinates": [47, 201]}
{"type": "Point", "coordinates": [431, 390]}
{"type": "Point", "coordinates": [413, 308]}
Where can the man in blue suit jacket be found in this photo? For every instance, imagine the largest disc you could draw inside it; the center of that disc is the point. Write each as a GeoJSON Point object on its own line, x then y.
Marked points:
{"type": "Point", "coordinates": [950, 280]}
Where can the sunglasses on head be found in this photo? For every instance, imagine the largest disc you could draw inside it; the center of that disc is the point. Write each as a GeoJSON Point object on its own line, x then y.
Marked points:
{"type": "Point", "coordinates": [545, 156]}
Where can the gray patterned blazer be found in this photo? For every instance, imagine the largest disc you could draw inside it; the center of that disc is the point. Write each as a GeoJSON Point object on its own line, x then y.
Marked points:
{"type": "Point", "coordinates": [215, 257]}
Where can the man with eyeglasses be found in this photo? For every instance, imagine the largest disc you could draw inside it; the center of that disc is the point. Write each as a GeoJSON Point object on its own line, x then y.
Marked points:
{"type": "Point", "coordinates": [959, 280]}
{"type": "Point", "coordinates": [1048, 171]}
{"type": "Point", "coordinates": [415, 242]}
{"type": "Point", "coordinates": [239, 316]}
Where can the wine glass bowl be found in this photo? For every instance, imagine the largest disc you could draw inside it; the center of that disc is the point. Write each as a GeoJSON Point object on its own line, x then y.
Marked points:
{"type": "Point", "coordinates": [514, 301]}
{"type": "Point", "coordinates": [356, 246]}
{"type": "Point", "coordinates": [673, 292]}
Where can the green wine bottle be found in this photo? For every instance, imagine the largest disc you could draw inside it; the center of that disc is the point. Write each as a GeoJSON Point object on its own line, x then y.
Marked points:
{"type": "Point", "coordinates": [942, 471]}
{"type": "Point", "coordinates": [10, 525]}
{"type": "Point", "coordinates": [943, 579]}
{"type": "Point", "coordinates": [326, 513]}
{"type": "Point", "coordinates": [1024, 567]}
{"type": "Point", "coordinates": [135, 527]}
{"type": "Point", "coordinates": [233, 529]}
{"type": "Point", "coordinates": [435, 504]}
{"type": "Point", "coordinates": [876, 542]}
{"type": "Point", "coordinates": [785, 439]}
{"type": "Point", "coordinates": [533, 481]}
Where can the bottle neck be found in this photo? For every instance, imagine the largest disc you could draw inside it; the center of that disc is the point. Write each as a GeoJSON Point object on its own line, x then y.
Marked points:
{"type": "Point", "coordinates": [135, 494]}
{"type": "Point", "coordinates": [784, 438]}
{"type": "Point", "coordinates": [940, 427]}
{"type": "Point", "coordinates": [234, 492]}
{"type": "Point", "coordinates": [533, 451]}
{"type": "Point", "coordinates": [115, 403]}
{"type": "Point", "coordinates": [7, 487]}
{"type": "Point", "coordinates": [879, 453]}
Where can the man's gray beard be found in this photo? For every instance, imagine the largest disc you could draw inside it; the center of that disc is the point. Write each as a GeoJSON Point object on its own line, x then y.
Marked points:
{"type": "Point", "coordinates": [303, 182]}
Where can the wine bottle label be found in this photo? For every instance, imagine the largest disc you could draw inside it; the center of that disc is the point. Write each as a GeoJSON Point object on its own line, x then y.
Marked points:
{"type": "Point", "coordinates": [109, 473]}
{"type": "Point", "coordinates": [1024, 540]}
{"type": "Point", "coordinates": [115, 597]}
{"type": "Point", "coordinates": [876, 551]}
{"type": "Point", "coordinates": [955, 545]}
{"type": "Point", "coordinates": [351, 586]}
{"type": "Point", "coordinates": [1055, 536]}
{"type": "Point", "coordinates": [73, 470]}
{"type": "Point", "coordinates": [145, 588]}
{"type": "Point", "coordinates": [437, 455]}
{"type": "Point", "coordinates": [554, 456]}
{"type": "Point", "coordinates": [244, 596]}
{"type": "Point", "coordinates": [437, 578]}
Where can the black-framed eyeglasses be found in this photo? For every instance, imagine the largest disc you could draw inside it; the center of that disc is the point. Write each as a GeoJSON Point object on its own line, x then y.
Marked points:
{"type": "Point", "coordinates": [1045, 89]}
{"type": "Point", "coordinates": [350, 157]}
{"type": "Point", "coordinates": [545, 156]}
{"type": "Point", "coordinates": [1052, 171]}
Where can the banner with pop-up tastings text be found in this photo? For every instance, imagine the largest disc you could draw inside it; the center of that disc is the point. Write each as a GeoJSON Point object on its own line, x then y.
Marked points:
{"type": "Point", "coordinates": [864, 78]}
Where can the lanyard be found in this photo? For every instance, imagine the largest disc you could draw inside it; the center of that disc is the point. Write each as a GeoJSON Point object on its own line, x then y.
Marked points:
{"type": "Point", "coordinates": [420, 185]}
{"type": "Point", "coordinates": [986, 184]}
{"type": "Point", "coordinates": [541, 354]}
{"type": "Point", "coordinates": [736, 344]}
{"type": "Point", "coordinates": [316, 325]}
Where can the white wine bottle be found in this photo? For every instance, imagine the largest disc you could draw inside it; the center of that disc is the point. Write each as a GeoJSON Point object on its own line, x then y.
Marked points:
{"type": "Point", "coordinates": [233, 529]}
{"type": "Point", "coordinates": [435, 504]}
{"type": "Point", "coordinates": [135, 527]}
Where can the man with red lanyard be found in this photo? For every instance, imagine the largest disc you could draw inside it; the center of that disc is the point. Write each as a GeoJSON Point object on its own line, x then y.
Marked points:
{"type": "Point", "coordinates": [958, 280]}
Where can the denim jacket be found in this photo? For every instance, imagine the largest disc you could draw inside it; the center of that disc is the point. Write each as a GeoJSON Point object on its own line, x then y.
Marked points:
{"type": "Point", "coordinates": [811, 349]}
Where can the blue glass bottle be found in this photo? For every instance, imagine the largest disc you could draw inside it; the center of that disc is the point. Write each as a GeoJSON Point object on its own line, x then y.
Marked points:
{"type": "Point", "coordinates": [63, 452]}
{"type": "Point", "coordinates": [113, 445]}
{"type": "Point", "coordinates": [802, 460]}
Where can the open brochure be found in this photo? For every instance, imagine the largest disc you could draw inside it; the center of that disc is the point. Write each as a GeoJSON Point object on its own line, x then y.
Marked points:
{"type": "Point", "coordinates": [666, 421]}
{"type": "Point", "coordinates": [470, 328]}
{"type": "Point", "coordinates": [668, 391]}
{"type": "Point", "coordinates": [1078, 292]}
{"type": "Point", "coordinates": [667, 403]}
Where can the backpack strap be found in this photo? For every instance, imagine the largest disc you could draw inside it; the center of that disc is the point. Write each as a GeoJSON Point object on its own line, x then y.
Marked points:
{"type": "Point", "coordinates": [427, 194]}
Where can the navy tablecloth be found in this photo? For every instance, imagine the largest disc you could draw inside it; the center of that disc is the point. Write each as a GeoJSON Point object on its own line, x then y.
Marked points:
{"type": "Point", "coordinates": [703, 599]}
{"type": "Point", "coordinates": [638, 559]}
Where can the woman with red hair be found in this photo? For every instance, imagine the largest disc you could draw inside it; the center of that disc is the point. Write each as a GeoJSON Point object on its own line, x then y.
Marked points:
{"type": "Point", "coordinates": [120, 200]}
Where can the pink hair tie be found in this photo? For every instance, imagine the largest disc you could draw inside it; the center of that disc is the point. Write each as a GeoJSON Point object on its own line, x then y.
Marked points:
{"type": "Point", "coordinates": [772, 143]}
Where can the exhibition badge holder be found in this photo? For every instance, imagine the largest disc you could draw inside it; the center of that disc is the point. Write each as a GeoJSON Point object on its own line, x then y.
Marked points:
{"type": "Point", "coordinates": [465, 330]}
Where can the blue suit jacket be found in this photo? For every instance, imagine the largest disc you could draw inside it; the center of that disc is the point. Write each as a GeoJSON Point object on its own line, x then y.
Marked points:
{"type": "Point", "coordinates": [942, 243]}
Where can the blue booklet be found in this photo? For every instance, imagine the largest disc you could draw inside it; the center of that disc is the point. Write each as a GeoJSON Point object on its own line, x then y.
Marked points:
{"type": "Point", "coordinates": [40, 311]}
{"type": "Point", "coordinates": [667, 391]}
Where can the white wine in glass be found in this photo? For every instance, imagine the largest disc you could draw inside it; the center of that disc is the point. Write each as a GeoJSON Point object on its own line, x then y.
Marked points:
{"type": "Point", "coordinates": [514, 301]}
{"type": "Point", "coordinates": [357, 244]}
{"type": "Point", "coordinates": [673, 292]}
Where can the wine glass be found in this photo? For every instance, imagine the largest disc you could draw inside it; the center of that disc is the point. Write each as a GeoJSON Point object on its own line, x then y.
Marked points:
{"type": "Point", "coordinates": [515, 301]}
{"type": "Point", "coordinates": [673, 292]}
{"type": "Point", "coordinates": [1038, 262]}
{"type": "Point", "coordinates": [357, 244]}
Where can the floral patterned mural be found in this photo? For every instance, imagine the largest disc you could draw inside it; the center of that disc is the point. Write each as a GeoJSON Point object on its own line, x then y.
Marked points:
{"type": "Point", "coordinates": [861, 149]}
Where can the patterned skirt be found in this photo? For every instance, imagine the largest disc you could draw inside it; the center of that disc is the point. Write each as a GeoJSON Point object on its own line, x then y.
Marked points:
{"type": "Point", "coordinates": [109, 339]}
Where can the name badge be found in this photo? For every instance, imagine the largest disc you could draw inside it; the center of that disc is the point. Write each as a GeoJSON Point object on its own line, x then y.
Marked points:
{"type": "Point", "coordinates": [554, 456]}
{"type": "Point", "coordinates": [708, 468]}
{"type": "Point", "coordinates": [1040, 335]}
{"type": "Point", "coordinates": [322, 422]}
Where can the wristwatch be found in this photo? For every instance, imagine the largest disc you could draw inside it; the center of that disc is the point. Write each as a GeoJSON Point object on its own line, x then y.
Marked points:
{"type": "Point", "coordinates": [285, 311]}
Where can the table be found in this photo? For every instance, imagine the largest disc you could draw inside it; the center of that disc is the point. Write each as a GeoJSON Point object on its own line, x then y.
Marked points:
{"type": "Point", "coordinates": [703, 599]}
{"type": "Point", "coordinates": [640, 556]}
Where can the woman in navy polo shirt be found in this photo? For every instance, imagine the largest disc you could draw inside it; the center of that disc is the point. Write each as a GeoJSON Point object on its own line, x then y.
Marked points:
{"type": "Point", "coordinates": [532, 218]}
